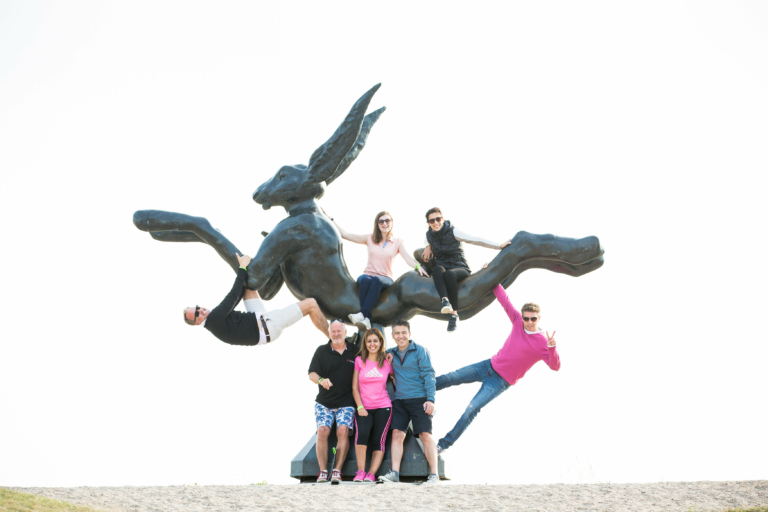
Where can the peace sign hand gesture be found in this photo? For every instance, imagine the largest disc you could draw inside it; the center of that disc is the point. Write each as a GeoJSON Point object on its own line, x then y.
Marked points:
{"type": "Point", "coordinates": [551, 339]}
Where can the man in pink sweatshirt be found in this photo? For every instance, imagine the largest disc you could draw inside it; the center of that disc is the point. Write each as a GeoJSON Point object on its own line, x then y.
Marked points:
{"type": "Point", "coordinates": [525, 346]}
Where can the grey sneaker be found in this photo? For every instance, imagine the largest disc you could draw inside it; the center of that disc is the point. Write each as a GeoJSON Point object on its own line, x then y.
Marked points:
{"type": "Point", "coordinates": [446, 307]}
{"type": "Point", "coordinates": [452, 321]}
{"type": "Point", "coordinates": [390, 478]}
{"type": "Point", "coordinates": [440, 450]}
{"type": "Point", "coordinates": [433, 479]}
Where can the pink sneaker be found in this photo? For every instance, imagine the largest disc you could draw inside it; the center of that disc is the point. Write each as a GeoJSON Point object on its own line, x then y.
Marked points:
{"type": "Point", "coordinates": [359, 476]}
{"type": "Point", "coordinates": [370, 477]}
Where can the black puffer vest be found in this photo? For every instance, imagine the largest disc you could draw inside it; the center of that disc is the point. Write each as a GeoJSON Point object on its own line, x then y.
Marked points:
{"type": "Point", "coordinates": [446, 250]}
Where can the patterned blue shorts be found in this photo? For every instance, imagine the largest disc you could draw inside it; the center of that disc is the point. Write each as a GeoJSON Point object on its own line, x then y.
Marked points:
{"type": "Point", "coordinates": [345, 416]}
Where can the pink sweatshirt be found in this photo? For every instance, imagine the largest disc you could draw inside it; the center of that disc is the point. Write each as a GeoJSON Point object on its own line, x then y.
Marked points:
{"type": "Point", "coordinates": [380, 257]}
{"type": "Point", "coordinates": [521, 350]}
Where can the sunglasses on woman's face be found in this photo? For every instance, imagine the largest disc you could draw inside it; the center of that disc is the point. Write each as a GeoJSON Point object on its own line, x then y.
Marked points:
{"type": "Point", "coordinates": [531, 318]}
{"type": "Point", "coordinates": [384, 221]}
{"type": "Point", "coordinates": [436, 220]}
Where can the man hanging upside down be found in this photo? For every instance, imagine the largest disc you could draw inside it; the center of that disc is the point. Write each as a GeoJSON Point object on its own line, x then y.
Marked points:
{"type": "Point", "coordinates": [257, 326]}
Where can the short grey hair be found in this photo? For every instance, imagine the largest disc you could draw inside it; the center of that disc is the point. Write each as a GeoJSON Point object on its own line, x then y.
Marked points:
{"type": "Point", "coordinates": [187, 320]}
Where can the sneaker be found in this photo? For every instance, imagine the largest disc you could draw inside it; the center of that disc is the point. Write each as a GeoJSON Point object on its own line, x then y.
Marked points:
{"type": "Point", "coordinates": [322, 476]}
{"type": "Point", "coordinates": [361, 322]}
{"type": "Point", "coordinates": [447, 308]}
{"type": "Point", "coordinates": [357, 319]}
{"type": "Point", "coordinates": [336, 476]}
{"type": "Point", "coordinates": [452, 321]}
{"type": "Point", "coordinates": [391, 477]}
{"type": "Point", "coordinates": [433, 479]}
{"type": "Point", "coordinates": [440, 450]}
{"type": "Point", "coordinates": [359, 476]}
{"type": "Point", "coordinates": [370, 477]}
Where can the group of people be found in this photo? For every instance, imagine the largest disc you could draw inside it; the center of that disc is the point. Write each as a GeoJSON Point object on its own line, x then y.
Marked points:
{"type": "Point", "coordinates": [352, 376]}
{"type": "Point", "coordinates": [444, 245]}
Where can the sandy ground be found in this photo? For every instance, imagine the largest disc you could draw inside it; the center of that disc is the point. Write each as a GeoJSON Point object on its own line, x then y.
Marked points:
{"type": "Point", "coordinates": [683, 496]}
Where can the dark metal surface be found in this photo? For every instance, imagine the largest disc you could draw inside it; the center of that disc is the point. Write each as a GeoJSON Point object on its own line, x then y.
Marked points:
{"type": "Point", "coordinates": [304, 250]}
{"type": "Point", "coordinates": [304, 466]}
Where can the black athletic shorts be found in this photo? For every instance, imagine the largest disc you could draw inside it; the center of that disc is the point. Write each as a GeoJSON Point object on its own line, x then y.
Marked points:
{"type": "Point", "coordinates": [411, 409]}
{"type": "Point", "coordinates": [376, 424]}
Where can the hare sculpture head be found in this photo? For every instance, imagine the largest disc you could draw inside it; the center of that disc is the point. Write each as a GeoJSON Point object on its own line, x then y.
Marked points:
{"type": "Point", "coordinates": [294, 185]}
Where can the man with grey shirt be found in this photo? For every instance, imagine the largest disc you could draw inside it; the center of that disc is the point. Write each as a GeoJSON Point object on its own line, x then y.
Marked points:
{"type": "Point", "coordinates": [414, 400]}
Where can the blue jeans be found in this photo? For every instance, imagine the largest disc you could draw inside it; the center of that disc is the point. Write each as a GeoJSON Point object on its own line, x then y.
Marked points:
{"type": "Point", "coordinates": [493, 386]}
{"type": "Point", "coordinates": [370, 288]}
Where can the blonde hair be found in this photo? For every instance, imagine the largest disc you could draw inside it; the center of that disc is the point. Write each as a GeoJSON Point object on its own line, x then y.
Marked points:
{"type": "Point", "coordinates": [380, 356]}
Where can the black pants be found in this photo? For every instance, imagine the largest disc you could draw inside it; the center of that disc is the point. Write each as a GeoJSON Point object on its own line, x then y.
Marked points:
{"type": "Point", "coordinates": [447, 283]}
{"type": "Point", "coordinates": [378, 421]}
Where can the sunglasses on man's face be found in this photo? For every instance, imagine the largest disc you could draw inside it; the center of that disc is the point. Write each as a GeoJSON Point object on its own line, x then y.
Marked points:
{"type": "Point", "coordinates": [197, 313]}
{"type": "Point", "coordinates": [384, 221]}
{"type": "Point", "coordinates": [530, 318]}
{"type": "Point", "coordinates": [436, 220]}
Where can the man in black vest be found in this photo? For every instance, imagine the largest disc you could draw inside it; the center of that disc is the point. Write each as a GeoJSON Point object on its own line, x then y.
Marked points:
{"type": "Point", "coordinates": [331, 369]}
{"type": "Point", "coordinates": [257, 326]}
{"type": "Point", "coordinates": [445, 245]}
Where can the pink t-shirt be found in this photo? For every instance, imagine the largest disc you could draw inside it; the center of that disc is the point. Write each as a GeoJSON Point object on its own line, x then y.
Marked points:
{"type": "Point", "coordinates": [380, 257]}
{"type": "Point", "coordinates": [372, 381]}
{"type": "Point", "coordinates": [521, 350]}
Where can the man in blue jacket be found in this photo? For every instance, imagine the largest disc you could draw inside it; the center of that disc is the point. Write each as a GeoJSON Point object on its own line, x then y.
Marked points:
{"type": "Point", "coordinates": [414, 400]}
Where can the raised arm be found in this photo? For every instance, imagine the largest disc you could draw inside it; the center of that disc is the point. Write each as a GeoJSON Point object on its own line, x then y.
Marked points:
{"type": "Point", "coordinates": [411, 261]}
{"type": "Point", "coordinates": [501, 295]}
{"type": "Point", "coordinates": [346, 235]}
{"type": "Point", "coordinates": [461, 236]}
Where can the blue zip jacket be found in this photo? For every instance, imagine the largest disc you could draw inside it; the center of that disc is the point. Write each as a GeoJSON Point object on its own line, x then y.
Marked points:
{"type": "Point", "coordinates": [414, 375]}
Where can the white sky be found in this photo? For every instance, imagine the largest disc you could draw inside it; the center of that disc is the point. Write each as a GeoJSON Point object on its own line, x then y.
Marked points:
{"type": "Point", "coordinates": [642, 123]}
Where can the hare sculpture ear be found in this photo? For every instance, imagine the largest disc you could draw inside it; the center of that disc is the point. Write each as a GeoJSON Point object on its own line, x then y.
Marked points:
{"type": "Point", "coordinates": [326, 159]}
{"type": "Point", "coordinates": [370, 119]}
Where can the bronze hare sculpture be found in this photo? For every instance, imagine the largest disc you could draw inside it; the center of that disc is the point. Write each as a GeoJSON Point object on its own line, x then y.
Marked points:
{"type": "Point", "coordinates": [304, 250]}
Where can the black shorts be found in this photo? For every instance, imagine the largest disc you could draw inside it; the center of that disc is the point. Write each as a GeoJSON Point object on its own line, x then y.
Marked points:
{"type": "Point", "coordinates": [376, 423]}
{"type": "Point", "coordinates": [411, 409]}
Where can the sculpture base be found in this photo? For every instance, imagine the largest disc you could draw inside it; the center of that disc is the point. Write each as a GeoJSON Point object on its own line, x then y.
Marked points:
{"type": "Point", "coordinates": [413, 467]}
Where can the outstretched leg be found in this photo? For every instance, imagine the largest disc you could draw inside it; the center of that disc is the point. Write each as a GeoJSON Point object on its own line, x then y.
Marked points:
{"type": "Point", "coordinates": [493, 386]}
{"type": "Point", "coordinates": [158, 220]}
{"type": "Point", "coordinates": [472, 373]}
{"type": "Point", "coordinates": [413, 294]}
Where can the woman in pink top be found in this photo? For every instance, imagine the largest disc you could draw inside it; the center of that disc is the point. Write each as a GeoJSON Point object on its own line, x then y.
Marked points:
{"type": "Point", "coordinates": [374, 408]}
{"type": "Point", "coordinates": [377, 276]}
{"type": "Point", "coordinates": [525, 346]}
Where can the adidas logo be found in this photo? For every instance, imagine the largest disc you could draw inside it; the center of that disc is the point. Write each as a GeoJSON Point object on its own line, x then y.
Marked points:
{"type": "Point", "coordinates": [373, 373]}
